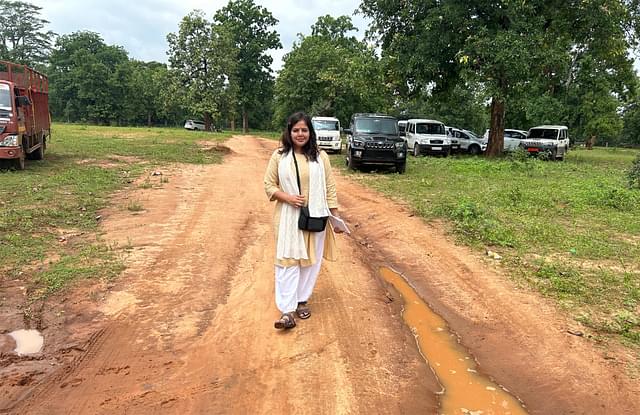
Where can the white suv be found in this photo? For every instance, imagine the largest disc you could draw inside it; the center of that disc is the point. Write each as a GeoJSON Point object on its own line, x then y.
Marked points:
{"type": "Point", "coordinates": [552, 140]}
{"type": "Point", "coordinates": [328, 133]}
{"type": "Point", "coordinates": [469, 142]}
{"type": "Point", "coordinates": [194, 125]}
{"type": "Point", "coordinates": [427, 136]}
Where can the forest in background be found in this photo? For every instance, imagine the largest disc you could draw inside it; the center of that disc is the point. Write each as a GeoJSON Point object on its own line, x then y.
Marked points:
{"type": "Point", "coordinates": [471, 64]}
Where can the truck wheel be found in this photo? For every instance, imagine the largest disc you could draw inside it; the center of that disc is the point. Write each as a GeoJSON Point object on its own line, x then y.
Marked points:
{"type": "Point", "coordinates": [416, 151]}
{"type": "Point", "coordinates": [18, 163]}
{"type": "Point", "coordinates": [474, 149]}
{"type": "Point", "coordinates": [39, 153]}
{"type": "Point", "coordinates": [401, 167]}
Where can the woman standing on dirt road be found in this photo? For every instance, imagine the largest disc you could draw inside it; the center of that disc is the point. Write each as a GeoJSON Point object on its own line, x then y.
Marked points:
{"type": "Point", "coordinates": [299, 253]}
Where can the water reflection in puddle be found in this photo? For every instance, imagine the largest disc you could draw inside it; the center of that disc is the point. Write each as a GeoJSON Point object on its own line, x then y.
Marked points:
{"type": "Point", "coordinates": [465, 391]}
{"type": "Point", "coordinates": [27, 341]}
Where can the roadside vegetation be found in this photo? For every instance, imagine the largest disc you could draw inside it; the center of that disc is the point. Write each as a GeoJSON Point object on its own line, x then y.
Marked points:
{"type": "Point", "coordinates": [49, 213]}
{"type": "Point", "coordinates": [569, 229]}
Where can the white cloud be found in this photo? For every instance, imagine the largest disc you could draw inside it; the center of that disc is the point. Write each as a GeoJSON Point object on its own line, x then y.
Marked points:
{"type": "Point", "coordinates": [141, 26]}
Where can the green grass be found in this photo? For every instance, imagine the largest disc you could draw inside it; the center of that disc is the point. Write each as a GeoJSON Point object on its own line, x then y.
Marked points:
{"type": "Point", "coordinates": [570, 229]}
{"type": "Point", "coordinates": [63, 194]}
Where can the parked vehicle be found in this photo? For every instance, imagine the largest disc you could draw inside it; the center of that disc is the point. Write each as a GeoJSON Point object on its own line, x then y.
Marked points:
{"type": "Point", "coordinates": [455, 142]}
{"type": "Point", "coordinates": [427, 137]}
{"type": "Point", "coordinates": [552, 140]}
{"type": "Point", "coordinates": [402, 128]}
{"type": "Point", "coordinates": [469, 142]}
{"type": "Point", "coordinates": [328, 133]}
{"type": "Point", "coordinates": [373, 139]}
{"type": "Point", "coordinates": [194, 125]}
{"type": "Point", "coordinates": [512, 138]}
{"type": "Point", "coordinates": [25, 125]}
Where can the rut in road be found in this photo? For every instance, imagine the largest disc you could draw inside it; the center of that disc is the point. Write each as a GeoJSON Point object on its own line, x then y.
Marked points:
{"type": "Point", "coordinates": [190, 323]}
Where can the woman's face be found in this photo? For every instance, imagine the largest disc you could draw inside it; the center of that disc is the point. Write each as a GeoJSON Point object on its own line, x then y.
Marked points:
{"type": "Point", "coordinates": [299, 135]}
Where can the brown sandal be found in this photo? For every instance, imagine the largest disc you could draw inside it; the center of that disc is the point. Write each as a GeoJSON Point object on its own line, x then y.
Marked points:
{"type": "Point", "coordinates": [303, 311]}
{"type": "Point", "coordinates": [286, 321]}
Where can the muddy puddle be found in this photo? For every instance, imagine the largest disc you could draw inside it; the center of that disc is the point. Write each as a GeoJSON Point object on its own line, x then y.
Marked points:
{"type": "Point", "coordinates": [27, 341]}
{"type": "Point", "coordinates": [465, 391]}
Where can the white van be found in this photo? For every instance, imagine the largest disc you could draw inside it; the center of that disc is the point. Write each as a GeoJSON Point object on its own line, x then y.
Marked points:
{"type": "Point", "coordinates": [552, 140]}
{"type": "Point", "coordinates": [427, 137]}
{"type": "Point", "coordinates": [328, 133]}
{"type": "Point", "coordinates": [468, 141]}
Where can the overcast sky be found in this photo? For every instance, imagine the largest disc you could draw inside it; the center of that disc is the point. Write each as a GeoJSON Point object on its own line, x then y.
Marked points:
{"type": "Point", "coordinates": [141, 26]}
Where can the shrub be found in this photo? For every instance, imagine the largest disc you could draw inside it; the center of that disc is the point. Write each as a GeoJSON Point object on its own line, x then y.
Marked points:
{"type": "Point", "coordinates": [633, 174]}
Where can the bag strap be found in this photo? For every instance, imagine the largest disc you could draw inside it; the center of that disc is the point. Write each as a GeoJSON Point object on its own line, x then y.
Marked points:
{"type": "Point", "coordinates": [297, 173]}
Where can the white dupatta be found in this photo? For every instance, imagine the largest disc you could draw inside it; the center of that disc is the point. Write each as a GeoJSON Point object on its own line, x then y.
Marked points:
{"type": "Point", "coordinates": [291, 243]}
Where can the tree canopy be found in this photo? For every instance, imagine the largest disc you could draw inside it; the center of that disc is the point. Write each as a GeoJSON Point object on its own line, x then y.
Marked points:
{"type": "Point", "coordinates": [520, 53]}
{"type": "Point", "coordinates": [22, 35]}
{"type": "Point", "coordinates": [330, 73]}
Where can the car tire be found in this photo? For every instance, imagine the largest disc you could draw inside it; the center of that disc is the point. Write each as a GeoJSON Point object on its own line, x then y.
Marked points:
{"type": "Point", "coordinates": [401, 167]}
{"type": "Point", "coordinates": [474, 149]}
{"type": "Point", "coordinates": [351, 163]}
{"type": "Point", "coordinates": [416, 150]}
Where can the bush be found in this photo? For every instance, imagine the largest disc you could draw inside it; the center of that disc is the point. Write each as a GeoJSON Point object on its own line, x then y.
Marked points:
{"type": "Point", "coordinates": [633, 174]}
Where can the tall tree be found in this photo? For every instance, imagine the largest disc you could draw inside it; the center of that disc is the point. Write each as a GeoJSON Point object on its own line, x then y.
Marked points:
{"type": "Point", "coordinates": [330, 73]}
{"type": "Point", "coordinates": [201, 60]}
{"type": "Point", "coordinates": [505, 46]}
{"type": "Point", "coordinates": [88, 79]}
{"type": "Point", "coordinates": [22, 35]}
{"type": "Point", "coordinates": [248, 27]}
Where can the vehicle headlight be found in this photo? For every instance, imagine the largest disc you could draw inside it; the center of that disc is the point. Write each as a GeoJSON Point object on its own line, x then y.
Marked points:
{"type": "Point", "coordinates": [10, 141]}
{"type": "Point", "coordinates": [400, 145]}
{"type": "Point", "coordinates": [357, 144]}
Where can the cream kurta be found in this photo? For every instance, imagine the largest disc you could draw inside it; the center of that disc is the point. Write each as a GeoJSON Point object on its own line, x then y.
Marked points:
{"type": "Point", "coordinates": [272, 185]}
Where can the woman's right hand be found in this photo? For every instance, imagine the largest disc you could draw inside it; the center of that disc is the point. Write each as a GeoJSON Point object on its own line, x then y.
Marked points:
{"type": "Point", "coordinates": [295, 200]}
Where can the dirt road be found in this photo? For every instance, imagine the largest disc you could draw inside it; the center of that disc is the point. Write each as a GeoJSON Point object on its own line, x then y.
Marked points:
{"type": "Point", "coordinates": [188, 327]}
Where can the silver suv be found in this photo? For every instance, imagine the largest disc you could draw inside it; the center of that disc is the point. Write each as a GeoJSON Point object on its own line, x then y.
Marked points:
{"type": "Point", "coordinates": [194, 125]}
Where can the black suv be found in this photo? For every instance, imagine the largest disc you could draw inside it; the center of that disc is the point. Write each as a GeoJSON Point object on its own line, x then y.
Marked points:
{"type": "Point", "coordinates": [374, 139]}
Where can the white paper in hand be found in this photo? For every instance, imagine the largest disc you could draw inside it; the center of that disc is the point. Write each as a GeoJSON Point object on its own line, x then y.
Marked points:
{"type": "Point", "coordinates": [338, 224]}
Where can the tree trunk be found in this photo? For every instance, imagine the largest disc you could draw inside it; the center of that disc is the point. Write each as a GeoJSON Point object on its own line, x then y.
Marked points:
{"type": "Point", "coordinates": [232, 123]}
{"type": "Point", "coordinates": [207, 121]}
{"type": "Point", "coordinates": [149, 119]}
{"type": "Point", "coordinates": [496, 132]}
{"type": "Point", "coordinates": [245, 120]}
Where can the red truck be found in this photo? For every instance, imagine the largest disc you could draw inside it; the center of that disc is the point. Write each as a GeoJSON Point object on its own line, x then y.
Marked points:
{"type": "Point", "coordinates": [25, 125]}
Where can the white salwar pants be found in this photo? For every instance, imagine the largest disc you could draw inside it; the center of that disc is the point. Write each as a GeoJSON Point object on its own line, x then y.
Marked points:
{"type": "Point", "coordinates": [295, 284]}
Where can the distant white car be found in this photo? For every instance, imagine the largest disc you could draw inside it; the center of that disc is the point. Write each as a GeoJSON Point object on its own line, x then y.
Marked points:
{"type": "Point", "coordinates": [512, 138]}
{"type": "Point", "coordinates": [194, 125]}
{"type": "Point", "coordinates": [328, 133]}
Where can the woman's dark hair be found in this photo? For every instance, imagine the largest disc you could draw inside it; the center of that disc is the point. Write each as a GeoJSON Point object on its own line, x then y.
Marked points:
{"type": "Point", "coordinates": [310, 149]}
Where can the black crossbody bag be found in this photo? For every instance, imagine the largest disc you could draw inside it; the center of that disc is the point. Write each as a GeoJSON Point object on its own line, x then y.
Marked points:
{"type": "Point", "coordinates": [306, 222]}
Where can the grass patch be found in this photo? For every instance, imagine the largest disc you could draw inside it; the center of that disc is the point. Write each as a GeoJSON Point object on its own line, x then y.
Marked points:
{"type": "Point", "coordinates": [570, 229]}
{"type": "Point", "coordinates": [83, 166]}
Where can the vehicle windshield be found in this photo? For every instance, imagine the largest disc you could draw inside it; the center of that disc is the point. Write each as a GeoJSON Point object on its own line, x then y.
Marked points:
{"type": "Point", "coordinates": [471, 135]}
{"type": "Point", "coordinates": [5, 99]}
{"type": "Point", "coordinates": [544, 133]}
{"type": "Point", "coordinates": [326, 125]}
{"type": "Point", "coordinates": [430, 128]}
{"type": "Point", "coordinates": [377, 126]}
